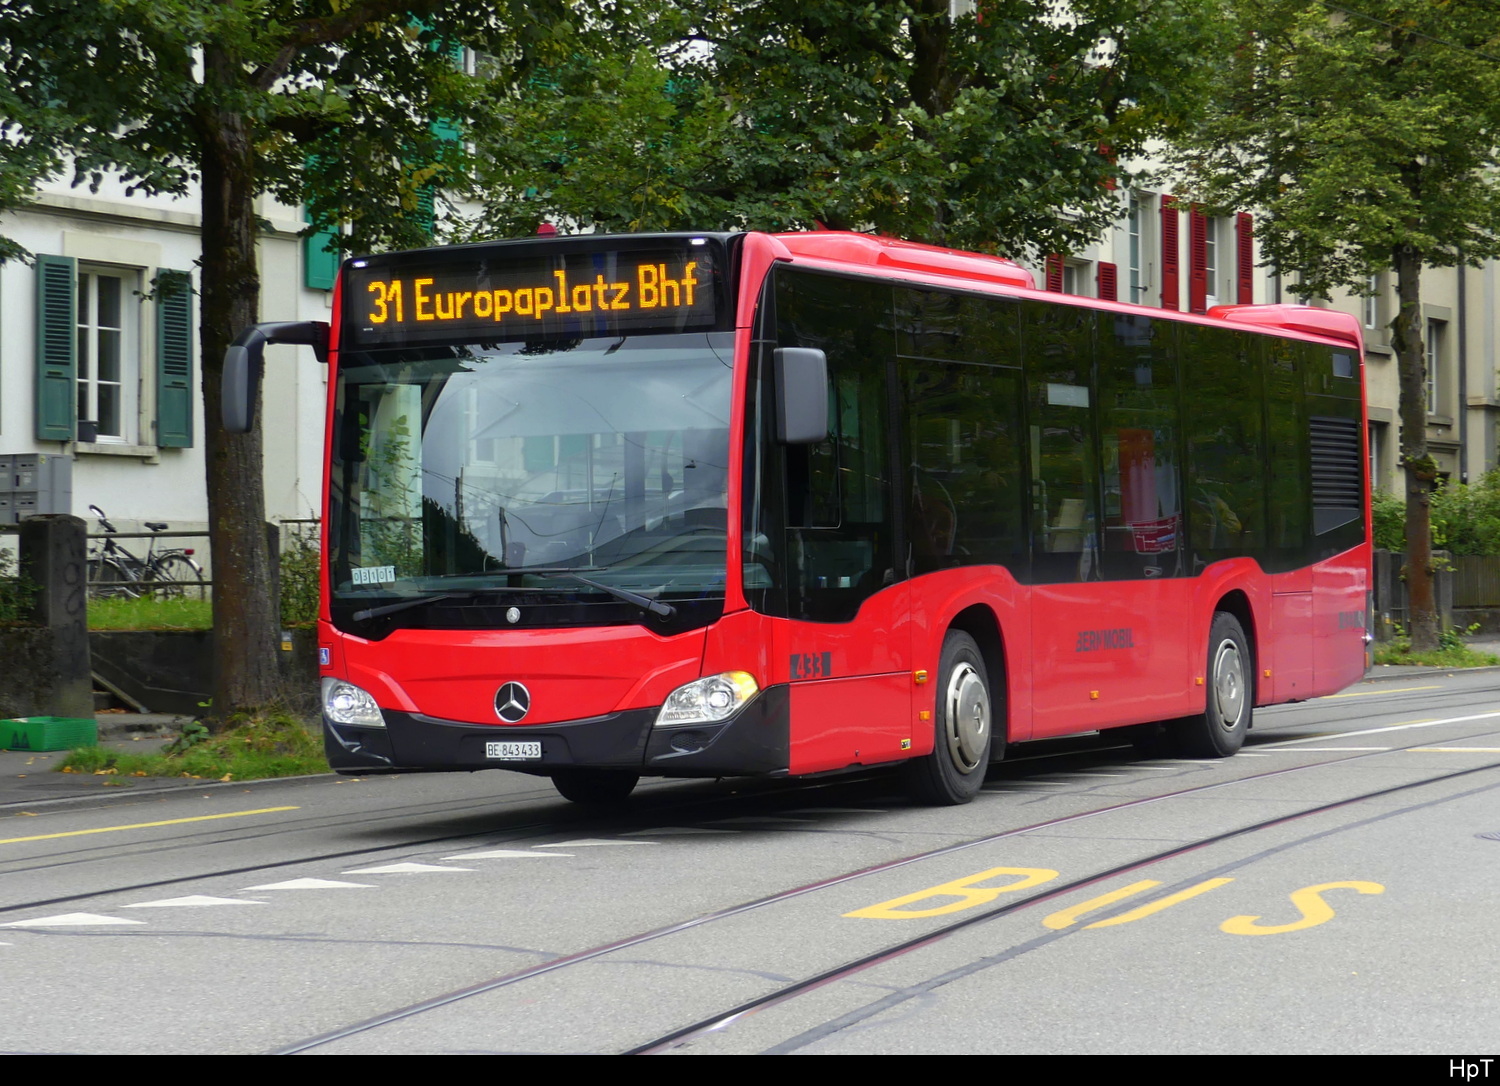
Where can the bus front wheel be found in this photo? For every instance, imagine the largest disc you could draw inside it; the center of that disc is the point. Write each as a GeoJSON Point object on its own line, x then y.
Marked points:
{"type": "Point", "coordinates": [1220, 730]}
{"type": "Point", "coordinates": [963, 725]}
{"type": "Point", "coordinates": [594, 787]}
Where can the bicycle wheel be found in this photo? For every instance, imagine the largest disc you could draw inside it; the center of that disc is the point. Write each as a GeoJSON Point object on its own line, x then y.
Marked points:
{"type": "Point", "coordinates": [176, 576]}
{"type": "Point", "coordinates": [108, 579]}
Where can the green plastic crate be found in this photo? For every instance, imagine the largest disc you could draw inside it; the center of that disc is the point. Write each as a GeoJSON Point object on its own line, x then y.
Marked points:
{"type": "Point", "coordinates": [48, 733]}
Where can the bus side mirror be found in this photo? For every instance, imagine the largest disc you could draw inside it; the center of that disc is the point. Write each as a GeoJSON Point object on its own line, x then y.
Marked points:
{"type": "Point", "coordinates": [245, 359]}
{"type": "Point", "coordinates": [801, 395]}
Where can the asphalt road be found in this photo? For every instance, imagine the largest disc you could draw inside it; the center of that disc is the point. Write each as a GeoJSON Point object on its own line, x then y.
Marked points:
{"type": "Point", "coordinates": [1330, 889]}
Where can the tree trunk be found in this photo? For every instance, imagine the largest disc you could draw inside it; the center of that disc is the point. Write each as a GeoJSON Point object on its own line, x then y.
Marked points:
{"type": "Point", "coordinates": [1420, 469]}
{"type": "Point", "coordinates": [246, 617]}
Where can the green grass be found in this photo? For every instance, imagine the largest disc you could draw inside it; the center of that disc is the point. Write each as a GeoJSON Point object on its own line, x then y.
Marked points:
{"type": "Point", "coordinates": [1452, 653]}
{"type": "Point", "coordinates": [273, 745]}
{"type": "Point", "coordinates": [150, 613]}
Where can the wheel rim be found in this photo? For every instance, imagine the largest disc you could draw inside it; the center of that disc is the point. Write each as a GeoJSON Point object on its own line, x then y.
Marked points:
{"type": "Point", "coordinates": [968, 717]}
{"type": "Point", "coordinates": [1229, 684]}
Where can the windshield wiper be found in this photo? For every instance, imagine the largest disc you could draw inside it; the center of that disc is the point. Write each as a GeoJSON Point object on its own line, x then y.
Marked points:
{"type": "Point", "coordinates": [645, 603]}
{"type": "Point", "coordinates": [406, 605]}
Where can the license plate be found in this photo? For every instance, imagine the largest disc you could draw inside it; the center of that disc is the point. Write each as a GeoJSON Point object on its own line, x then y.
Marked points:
{"type": "Point", "coordinates": [513, 752]}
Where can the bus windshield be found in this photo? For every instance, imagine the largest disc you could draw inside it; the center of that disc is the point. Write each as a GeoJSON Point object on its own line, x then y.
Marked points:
{"type": "Point", "coordinates": [481, 469]}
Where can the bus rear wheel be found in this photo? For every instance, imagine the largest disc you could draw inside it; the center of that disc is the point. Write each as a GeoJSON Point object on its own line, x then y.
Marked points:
{"type": "Point", "coordinates": [964, 729]}
{"type": "Point", "coordinates": [1220, 730]}
{"type": "Point", "coordinates": [594, 787]}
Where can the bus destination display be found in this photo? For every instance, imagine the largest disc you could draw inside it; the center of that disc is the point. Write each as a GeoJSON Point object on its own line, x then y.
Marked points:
{"type": "Point", "coordinates": [489, 298]}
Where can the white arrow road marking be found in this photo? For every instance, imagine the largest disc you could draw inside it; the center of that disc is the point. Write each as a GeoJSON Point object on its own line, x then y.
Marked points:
{"type": "Point", "coordinates": [310, 884]}
{"type": "Point", "coordinates": [69, 920]}
{"type": "Point", "coordinates": [190, 902]}
{"type": "Point", "coordinates": [401, 869]}
{"type": "Point", "coordinates": [510, 854]}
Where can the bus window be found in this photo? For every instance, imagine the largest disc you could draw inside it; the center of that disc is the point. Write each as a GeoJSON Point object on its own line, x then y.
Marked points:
{"type": "Point", "coordinates": [1222, 397]}
{"type": "Point", "coordinates": [1138, 430]}
{"type": "Point", "coordinates": [1059, 344]}
{"type": "Point", "coordinates": [839, 501]}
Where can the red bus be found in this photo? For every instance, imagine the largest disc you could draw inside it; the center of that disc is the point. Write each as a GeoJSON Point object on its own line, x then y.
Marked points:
{"type": "Point", "coordinates": [703, 505]}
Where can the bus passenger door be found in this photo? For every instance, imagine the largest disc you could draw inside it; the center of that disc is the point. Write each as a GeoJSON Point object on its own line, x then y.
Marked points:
{"type": "Point", "coordinates": [847, 650]}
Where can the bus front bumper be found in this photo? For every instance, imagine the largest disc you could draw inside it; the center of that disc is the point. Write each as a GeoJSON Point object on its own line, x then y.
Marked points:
{"type": "Point", "coordinates": [753, 742]}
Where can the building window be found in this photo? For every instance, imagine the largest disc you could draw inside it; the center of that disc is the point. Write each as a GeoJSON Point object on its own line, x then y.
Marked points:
{"type": "Point", "coordinates": [109, 342]}
{"type": "Point", "coordinates": [106, 336]}
{"type": "Point", "coordinates": [1211, 261]}
{"type": "Point", "coordinates": [1371, 303]}
{"type": "Point", "coordinates": [1377, 446]}
{"type": "Point", "coordinates": [1139, 248]}
{"type": "Point", "coordinates": [1434, 361]}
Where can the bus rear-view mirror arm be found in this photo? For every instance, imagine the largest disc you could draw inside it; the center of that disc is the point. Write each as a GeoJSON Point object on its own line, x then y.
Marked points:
{"type": "Point", "coordinates": [245, 359]}
{"type": "Point", "coordinates": [801, 395]}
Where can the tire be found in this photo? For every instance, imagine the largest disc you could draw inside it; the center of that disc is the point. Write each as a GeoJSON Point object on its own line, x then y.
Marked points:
{"type": "Point", "coordinates": [108, 579]}
{"type": "Point", "coordinates": [594, 787]}
{"type": "Point", "coordinates": [963, 724]}
{"type": "Point", "coordinates": [176, 576]}
{"type": "Point", "coordinates": [1220, 730]}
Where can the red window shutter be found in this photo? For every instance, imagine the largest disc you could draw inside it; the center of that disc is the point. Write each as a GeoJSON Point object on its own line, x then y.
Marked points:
{"type": "Point", "coordinates": [1244, 255]}
{"type": "Point", "coordinates": [1055, 273]}
{"type": "Point", "coordinates": [1109, 282]}
{"type": "Point", "coordinates": [1169, 252]}
{"type": "Point", "coordinates": [1197, 261]}
{"type": "Point", "coordinates": [1108, 152]}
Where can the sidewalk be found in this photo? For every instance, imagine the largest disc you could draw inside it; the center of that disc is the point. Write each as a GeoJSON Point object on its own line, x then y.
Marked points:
{"type": "Point", "coordinates": [29, 778]}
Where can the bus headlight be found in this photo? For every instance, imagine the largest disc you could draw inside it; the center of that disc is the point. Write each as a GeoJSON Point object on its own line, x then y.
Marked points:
{"type": "Point", "coordinates": [708, 701]}
{"type": "Point", "coordinates": [345, 703]}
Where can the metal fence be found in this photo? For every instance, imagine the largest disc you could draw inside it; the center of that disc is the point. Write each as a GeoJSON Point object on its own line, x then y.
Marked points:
{"type": "Point", "coordinates": [1476, 581]}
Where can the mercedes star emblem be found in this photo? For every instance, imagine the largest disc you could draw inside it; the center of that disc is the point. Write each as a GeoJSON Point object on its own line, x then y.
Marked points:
{"type": "Point", "coordinates": [512, 702]}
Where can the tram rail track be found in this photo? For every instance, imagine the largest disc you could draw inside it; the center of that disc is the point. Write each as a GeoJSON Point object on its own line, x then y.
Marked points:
{"type": "Point", "coordinates": [720, 1020]}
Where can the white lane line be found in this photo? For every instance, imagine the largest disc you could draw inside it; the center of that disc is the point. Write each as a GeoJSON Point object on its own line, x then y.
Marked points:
{"type": "Point", "coordinates": [1382, 731]}
{"type": "Point", "coordinates": [309, 884]}
{"type": "Point", "coordinates": [194, 901]}
{"type": "Point", "coordinates": [1454, 750]}
{"type": "Point", "coordinates": [70, 920]}
{"type": "Point", "coordinates": [593, 842]}
{"type": "Point", "coordinates": [402, 869]}
{"type": "Point", "coordinates": [673, 831]}
{"type": "Point", "coordinates": [761, 820]}
{"type": "Point", "coordinates": [1322, 750]}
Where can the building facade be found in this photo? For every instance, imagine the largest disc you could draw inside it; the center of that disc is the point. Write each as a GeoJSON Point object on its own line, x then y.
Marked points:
{"type": "Point", "coordinates": [99, 354]}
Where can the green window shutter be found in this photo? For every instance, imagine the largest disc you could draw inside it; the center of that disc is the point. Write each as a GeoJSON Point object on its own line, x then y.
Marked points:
{"type": "Point", "coordinates": [56, 348]}
{"type": "Point", "coordinates": [320, 257]}
{"type": "Point", "coordinates": [174, 359]}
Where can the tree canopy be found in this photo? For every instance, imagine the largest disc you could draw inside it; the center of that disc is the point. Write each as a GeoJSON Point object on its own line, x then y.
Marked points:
{"type": "Point", "coordinates": [349, 107]}
{"type": "Point", "coordinates": [1368, 140]}
{"type": "Point", "coordinates": [1001, 129]}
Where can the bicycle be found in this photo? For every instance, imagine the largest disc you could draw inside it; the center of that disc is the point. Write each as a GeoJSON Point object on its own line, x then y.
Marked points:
{"type": "Point", "coordinates": [171, 573]}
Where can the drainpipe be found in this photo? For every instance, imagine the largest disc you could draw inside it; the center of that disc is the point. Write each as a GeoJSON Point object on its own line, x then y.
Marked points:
{"type": "Point", "coordinates": [1463, 373]}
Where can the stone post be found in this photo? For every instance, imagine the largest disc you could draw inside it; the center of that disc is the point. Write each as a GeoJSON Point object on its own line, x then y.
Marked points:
{"type": "Point", "coordinates": [53, 558]}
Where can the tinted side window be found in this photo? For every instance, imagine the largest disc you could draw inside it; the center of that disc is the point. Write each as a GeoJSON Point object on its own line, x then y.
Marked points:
{"type": "Point", "coordinates": [840, 500]}
{"type": "Point", "coordinates": [1059, 345]}
{"type": "Point", "coordinates": [1288, 506]}
{"type": "Point", "coordinates": [1224, 425]}
{"type": "Point", "coordinates": [1139, 454]}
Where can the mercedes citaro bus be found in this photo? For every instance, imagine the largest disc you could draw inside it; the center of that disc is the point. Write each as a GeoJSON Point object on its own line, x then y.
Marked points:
{"type": "Point", "coordinates": [715, 504]}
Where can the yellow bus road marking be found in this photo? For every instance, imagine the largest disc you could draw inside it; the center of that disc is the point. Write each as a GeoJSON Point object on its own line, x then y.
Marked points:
{"type": "Point", "coordinates": [1163, 903]}
{"type": "Point", "coordinates": [1309, 902]}
{"type": "Point", "coordinates": [147, 825]}
{"type": "Point", "coordinates": [1374, 693]}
